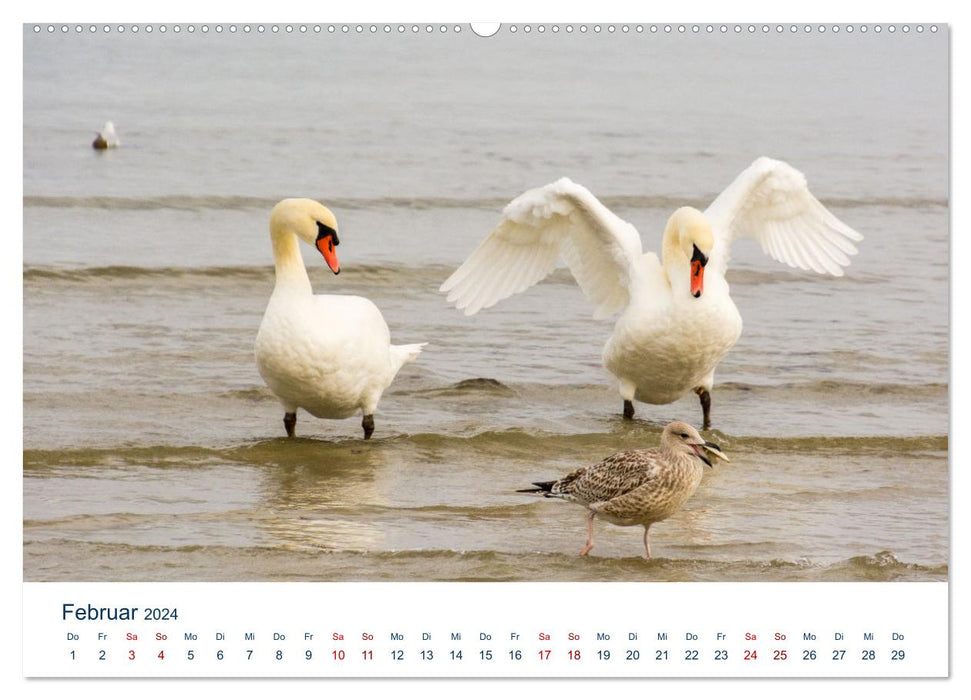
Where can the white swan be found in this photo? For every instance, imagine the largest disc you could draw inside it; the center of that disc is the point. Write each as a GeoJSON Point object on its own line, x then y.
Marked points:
{"type": "Point", "coordinates": [106, 138]}
{"type": "Point", "coordinates": [677, 320]}
{"type": "Point", "coordinates": [330, 355]}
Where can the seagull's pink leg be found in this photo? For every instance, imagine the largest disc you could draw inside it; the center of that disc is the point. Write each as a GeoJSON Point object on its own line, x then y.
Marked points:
{"type": "Point", "coordinates": [647, 541]}
{"type": "Point", "coordinates": [589, 545]}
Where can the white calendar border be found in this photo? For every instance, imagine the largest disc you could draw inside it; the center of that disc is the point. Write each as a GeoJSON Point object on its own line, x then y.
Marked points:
{"type": "Point", "coordinates": [488, 629]}
{"type": "Point", "coordinates": [827, 10]}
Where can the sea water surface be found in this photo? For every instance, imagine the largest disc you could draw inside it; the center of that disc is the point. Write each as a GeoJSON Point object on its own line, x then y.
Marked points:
{"type": "Point", "coordinates": [153, 451]}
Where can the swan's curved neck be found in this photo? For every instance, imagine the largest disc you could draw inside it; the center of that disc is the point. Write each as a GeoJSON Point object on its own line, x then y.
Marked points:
{"type": "Point", "coordinates": [675, 262]}
{"type": "Point", "coordinates": [290, 270]}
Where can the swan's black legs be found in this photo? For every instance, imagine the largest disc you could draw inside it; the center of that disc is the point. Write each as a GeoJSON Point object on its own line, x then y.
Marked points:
{"type": "Point", "coordinates": [628, 409]}
{"type": "Point", "coordinates": [705, 407]}
{"type": "Point", "coordinates": [368, 425]}
{"type": "Point", "coordinates": [290, 423]}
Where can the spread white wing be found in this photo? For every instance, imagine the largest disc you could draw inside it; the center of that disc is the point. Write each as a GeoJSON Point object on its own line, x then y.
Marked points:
{"type": "Point", "coordinates": [541, 225]}
{"type": "Point", "coordinates": [771, 202]}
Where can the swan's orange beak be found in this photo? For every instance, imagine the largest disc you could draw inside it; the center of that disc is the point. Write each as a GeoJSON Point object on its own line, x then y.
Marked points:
{"type": "Point", "coordinates": [698, 262]}
{"type": "Point", "coordinates": [327, 243]}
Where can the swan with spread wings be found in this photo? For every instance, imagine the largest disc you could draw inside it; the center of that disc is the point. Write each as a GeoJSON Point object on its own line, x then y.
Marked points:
{"type": "Point", "coordinates": [676, 319]}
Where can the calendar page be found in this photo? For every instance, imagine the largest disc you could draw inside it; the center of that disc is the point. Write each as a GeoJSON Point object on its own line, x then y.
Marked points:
{"type": "Point", "coordinates": [536, 350]}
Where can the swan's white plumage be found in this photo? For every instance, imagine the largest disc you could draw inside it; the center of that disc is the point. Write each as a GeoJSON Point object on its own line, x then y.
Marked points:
{"type": "Point", "coordinates": [665, 341]}
{"type": "Point", "coordinates": [537, 228]}
{"type": "Point", "coordinates": [770, 202]}
{"type": "Point", "coordinates": [330, 355]}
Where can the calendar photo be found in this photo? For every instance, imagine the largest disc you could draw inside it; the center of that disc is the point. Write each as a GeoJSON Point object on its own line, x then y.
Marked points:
{"type": "Point", "coordinates": [551, 303]}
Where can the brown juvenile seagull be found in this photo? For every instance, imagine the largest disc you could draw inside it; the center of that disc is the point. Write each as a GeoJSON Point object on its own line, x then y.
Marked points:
{"type": "Point", "coordinates": [639, 487]}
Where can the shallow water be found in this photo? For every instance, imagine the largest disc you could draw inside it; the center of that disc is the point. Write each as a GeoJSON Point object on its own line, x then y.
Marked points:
{"type": "Point", "coordinates": [153, 451]}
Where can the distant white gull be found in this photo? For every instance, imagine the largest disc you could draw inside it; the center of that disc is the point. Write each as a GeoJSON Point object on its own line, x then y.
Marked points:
{"type": "Point", "coordinates": [107, 138]}
{"type": "Point", "coordinates": [639, 487]}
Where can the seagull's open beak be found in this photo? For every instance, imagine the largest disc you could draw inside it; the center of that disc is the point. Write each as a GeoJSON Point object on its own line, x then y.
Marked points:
{"type": "Point", "coordinates": [701, 454]}
{"type": "Point", "coordinates": [709, 449]}
{"type": "Point", "coordinates": [327, 243]}
{"type": "Point", "coordinates": [715, 450]}
{"type": "Point", "coordinates": [698, 262]}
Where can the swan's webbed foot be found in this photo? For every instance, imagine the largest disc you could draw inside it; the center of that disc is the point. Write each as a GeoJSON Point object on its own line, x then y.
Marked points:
{"type": "Point", "coordinates": [368, 425]}
{"type": "Point", "coordinates": [705, 407]}
{"type": "Point", "coordinates": [290, 423]}
{"type": "Point", "coordinates": [628, 409]}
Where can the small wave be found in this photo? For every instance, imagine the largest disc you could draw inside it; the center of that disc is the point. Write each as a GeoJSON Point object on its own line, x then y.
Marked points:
{"type": "Point", "coordinates": [392, 274]}
{"type": "Point", "coordinates": [787, 275]}
{"type": "Point", "coordinates": [477, 385]}
{"type": "Point", "coordinates": [480, 383]}
{"type": "Point", "coordinates": [834, 389]}
{"type": "Point", "coordinates": [128, 547]}
{"type": "Point", "coordinates": [882, 566]}
{"type": "Point", "coordinates": [371, 274]}
{"type": "Point", "coordinates": [195, 562]}
{"type": "Point", "coordinates": [900, 202]}
{"type": "Point", "coordinates": [242, 202]}
{"type": "Point", "coordinates": [159, 456]}
{"type": "Point", "coordinates": [129, 272]}
{"type": "Point", "coordinates": [510, 442]}
{"type": "Point", "coordinates": [869, 445]}
{"type": "Point", "coordinates": [178, 202]}
{"type": "Point", "coordinates": [254, 394]}
{"type": "Point", "coordinates": [671, 202]}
